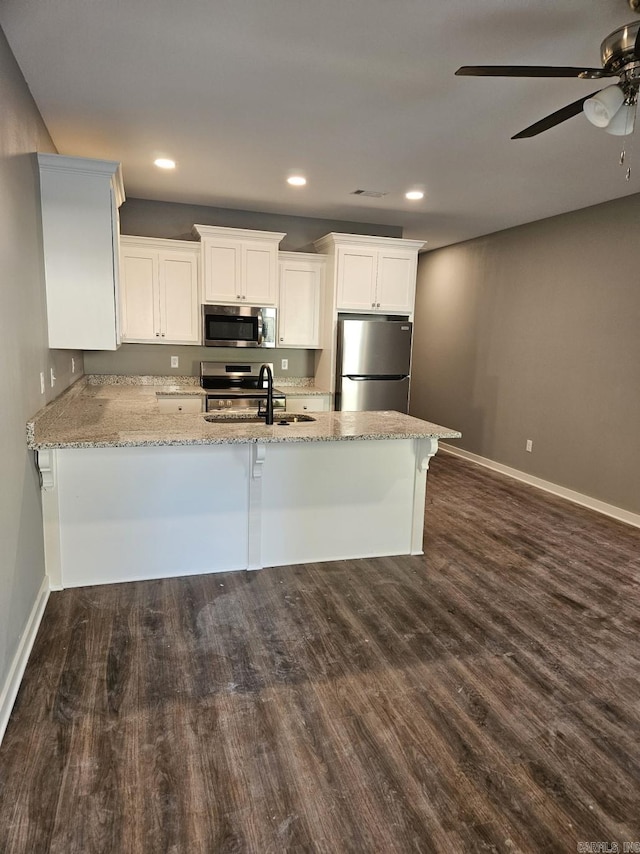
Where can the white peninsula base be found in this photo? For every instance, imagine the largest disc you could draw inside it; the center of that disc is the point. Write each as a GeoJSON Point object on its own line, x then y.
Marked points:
{"type": "Point", "coordinates": [132, 513]}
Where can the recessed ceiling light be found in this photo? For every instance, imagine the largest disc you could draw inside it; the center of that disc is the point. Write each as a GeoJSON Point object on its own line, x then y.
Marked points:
{"type": "Point", "coordinates": [164, 163]}
{"type": "Point", "coordinates": [414, 195]}
{"type": "Point", "coordinates": [296, 181]}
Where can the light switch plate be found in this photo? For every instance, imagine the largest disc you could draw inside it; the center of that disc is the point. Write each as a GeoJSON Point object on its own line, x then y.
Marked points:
{"type": "Point", "coordinates": [175, 362]}
{"type": "Point", "coordinates": [285, 364]}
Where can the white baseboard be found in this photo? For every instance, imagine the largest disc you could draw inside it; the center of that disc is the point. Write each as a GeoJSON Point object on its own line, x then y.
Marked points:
{"type": "Point", "coordinates": [16, 671]}
{"type": "Point", "coordinates": [546, 485]}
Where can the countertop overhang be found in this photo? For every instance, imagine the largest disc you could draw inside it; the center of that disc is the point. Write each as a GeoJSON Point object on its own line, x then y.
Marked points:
{"type": "Point", "coordinates": [113, 416]}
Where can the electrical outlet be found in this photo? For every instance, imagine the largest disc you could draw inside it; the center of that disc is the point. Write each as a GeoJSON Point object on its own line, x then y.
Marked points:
{"type": "Point", "coordinates": [41, 382]}
{"type": "Point", "coordinates": [53, 377]}
{"type": "Point", "coordinates": [73, 365]}
{"type": "Point", "coordinates": [529, 445]}
{"type": "Point", "coordinates": [285, 364]}
{"type": "Point", "coordinates": [175, 361]}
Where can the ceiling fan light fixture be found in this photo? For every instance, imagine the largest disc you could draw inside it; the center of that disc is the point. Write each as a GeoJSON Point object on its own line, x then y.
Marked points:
{"type": "Point", "coordinates": [623, 122]}
{"type": "Point", "coordinates": [602, 107]}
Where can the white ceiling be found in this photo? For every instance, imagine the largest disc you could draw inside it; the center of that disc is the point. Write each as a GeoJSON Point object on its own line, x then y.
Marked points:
{"type": "Point", "coordinates": [352, 93]}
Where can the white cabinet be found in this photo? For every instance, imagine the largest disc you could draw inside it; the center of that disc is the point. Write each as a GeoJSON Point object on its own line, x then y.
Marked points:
{"type": "Point", "coordinates": [159, 291]}
{"type": "Point", "coordinates": [310, 403]}
{"type": "Point", "coordinates": [372, 274]}
{"type": "Point", "coordinates": [80, 231]}
{"type": "Point", "coordinates": [180, 403]}
{"type": "Point", "coordinates": [239, 264]}
{"type": "Point", "coordinates": [301, 282]}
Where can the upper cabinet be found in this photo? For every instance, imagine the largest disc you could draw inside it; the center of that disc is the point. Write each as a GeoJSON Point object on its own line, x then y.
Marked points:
{"type": "Point", "coordinates": [80, 229]}
{"type": "Point", "coordinates": [239, 264]}
{"type": "Point", "coordinates": [301, 282]}
{"type": "Point", "coordinates": [159, 291]}
{"type": "Point", "coordinates": [372, 274]}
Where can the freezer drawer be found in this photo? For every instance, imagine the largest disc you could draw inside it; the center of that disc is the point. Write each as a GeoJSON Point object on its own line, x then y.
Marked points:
{"type": "Point", "coordinates": [362, 394]}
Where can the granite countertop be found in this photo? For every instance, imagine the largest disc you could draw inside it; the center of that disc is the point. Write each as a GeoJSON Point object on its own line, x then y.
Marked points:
{"type": "Point", "coordinates": [89, 415]}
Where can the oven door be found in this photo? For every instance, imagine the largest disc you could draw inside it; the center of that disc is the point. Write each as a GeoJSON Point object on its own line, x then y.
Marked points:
{"type": "Point", "coordinates": [232, 326]}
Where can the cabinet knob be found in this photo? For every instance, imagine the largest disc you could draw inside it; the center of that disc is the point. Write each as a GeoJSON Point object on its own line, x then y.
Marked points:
{"type": "Point", "coordinates": [157, 334]}
{"type": "Point", "coordinates": [238, 296]}
{"type": "Point", "coordinates": [243, 296]}
{"type": "Point", "coordinates": [373, 305]}
{"type": "Point", "coordinates": [377, 305]}
{"type": "Point", "coordinates": [282, 339]}
{"type": "Point", "coordinates": [163, 334]}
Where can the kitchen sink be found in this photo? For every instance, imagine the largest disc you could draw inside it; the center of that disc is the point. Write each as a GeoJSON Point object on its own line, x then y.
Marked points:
{"type": "Point", "coordinates": [228, 418]}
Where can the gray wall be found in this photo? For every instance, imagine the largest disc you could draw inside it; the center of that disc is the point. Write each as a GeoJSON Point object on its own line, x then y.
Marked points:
{"type": "Point", "coordinates": [23, 353]}
{"type": "Point", "coordinates": [534, 333]}
{"type": "Point", "coordinates": [155, 360]}
{"type": "Point", "coordinates": [146, 218]}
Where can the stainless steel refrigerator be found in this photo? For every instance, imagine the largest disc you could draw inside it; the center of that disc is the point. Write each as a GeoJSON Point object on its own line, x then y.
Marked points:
{"type": "Point", "coordinates": [373, 364]}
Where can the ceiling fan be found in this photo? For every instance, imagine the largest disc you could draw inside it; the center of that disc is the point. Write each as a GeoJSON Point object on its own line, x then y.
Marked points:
{"type": "Point", "coordinates": [612, 108]}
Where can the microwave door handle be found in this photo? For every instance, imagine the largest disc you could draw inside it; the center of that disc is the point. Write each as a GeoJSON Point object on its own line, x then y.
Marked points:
{"type": "Point", "coordinates": [260, 329]}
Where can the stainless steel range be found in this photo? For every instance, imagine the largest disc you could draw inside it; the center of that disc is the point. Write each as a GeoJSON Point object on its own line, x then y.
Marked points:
{"type": "Point", "coordinates": [235, 387]}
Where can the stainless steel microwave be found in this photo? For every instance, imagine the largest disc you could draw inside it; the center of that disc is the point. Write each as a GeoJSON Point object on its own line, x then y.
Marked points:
{"type": "Point", "coordinates": [238, 326]}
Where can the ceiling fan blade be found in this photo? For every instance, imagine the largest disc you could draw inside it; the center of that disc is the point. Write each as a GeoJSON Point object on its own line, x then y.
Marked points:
{"type": "Point", "coordinates": [554, 119]}
{"type": "Point", "coordinates": [532, 71]}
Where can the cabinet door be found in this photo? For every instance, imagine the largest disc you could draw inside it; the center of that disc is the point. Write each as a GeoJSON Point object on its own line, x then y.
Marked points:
{"type": "Point", "coordinates": [179, 298]}
{"type": "Point", "coordinates": [259, 274]}
{"type": "Point", "coordinates": [396, 282]}
{"type": "Point", "coordinates": [223, 264]}
{"type": "Point", "coordinates": [312, 403]}
{"type": "Point", "coordinates": [139, 293]}
{"type": "Point", "coordinates": [175, 405]}
{"type": "Point", "coordinates": [356, 278]}
{"type": "Point", "coordinates": [299, 310]}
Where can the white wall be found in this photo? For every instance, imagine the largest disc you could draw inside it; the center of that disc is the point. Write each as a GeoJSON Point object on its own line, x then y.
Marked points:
{"type": "Point", "coordinates": [23, 354]}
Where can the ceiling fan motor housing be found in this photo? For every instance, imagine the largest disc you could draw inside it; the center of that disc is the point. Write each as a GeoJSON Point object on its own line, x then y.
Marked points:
{"type": "Point", "coordinates": [617, 49]}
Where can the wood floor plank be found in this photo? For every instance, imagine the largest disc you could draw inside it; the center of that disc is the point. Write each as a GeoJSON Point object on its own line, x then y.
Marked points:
{"type": "Point", "coordinates": [482, 697]}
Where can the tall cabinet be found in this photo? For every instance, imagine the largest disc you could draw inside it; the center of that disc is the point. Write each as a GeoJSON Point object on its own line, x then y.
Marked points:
{"type": "Point", "coordinates": [301, 285]}
{"type": "Point", "coordinates": [80, 198]}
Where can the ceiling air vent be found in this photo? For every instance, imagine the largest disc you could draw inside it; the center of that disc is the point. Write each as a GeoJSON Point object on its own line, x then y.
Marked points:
{"type": "Point", "coordinates": [370, 194]}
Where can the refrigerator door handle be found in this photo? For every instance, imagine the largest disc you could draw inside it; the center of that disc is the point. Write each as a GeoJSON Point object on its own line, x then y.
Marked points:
{"type": "Point", "coordinates": [369, 377]}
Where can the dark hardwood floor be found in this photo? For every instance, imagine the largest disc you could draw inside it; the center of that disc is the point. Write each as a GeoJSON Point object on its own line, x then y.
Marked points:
{"type": "Point", "coordinates": [483, 697]}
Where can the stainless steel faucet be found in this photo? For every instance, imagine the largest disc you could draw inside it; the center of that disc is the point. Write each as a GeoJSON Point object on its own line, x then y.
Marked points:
{"type": "Point", "coordinates": [268, 413]}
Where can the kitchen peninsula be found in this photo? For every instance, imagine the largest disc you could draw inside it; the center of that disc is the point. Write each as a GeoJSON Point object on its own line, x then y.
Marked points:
{"type": "Point", "coordinates": [131, 493]}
